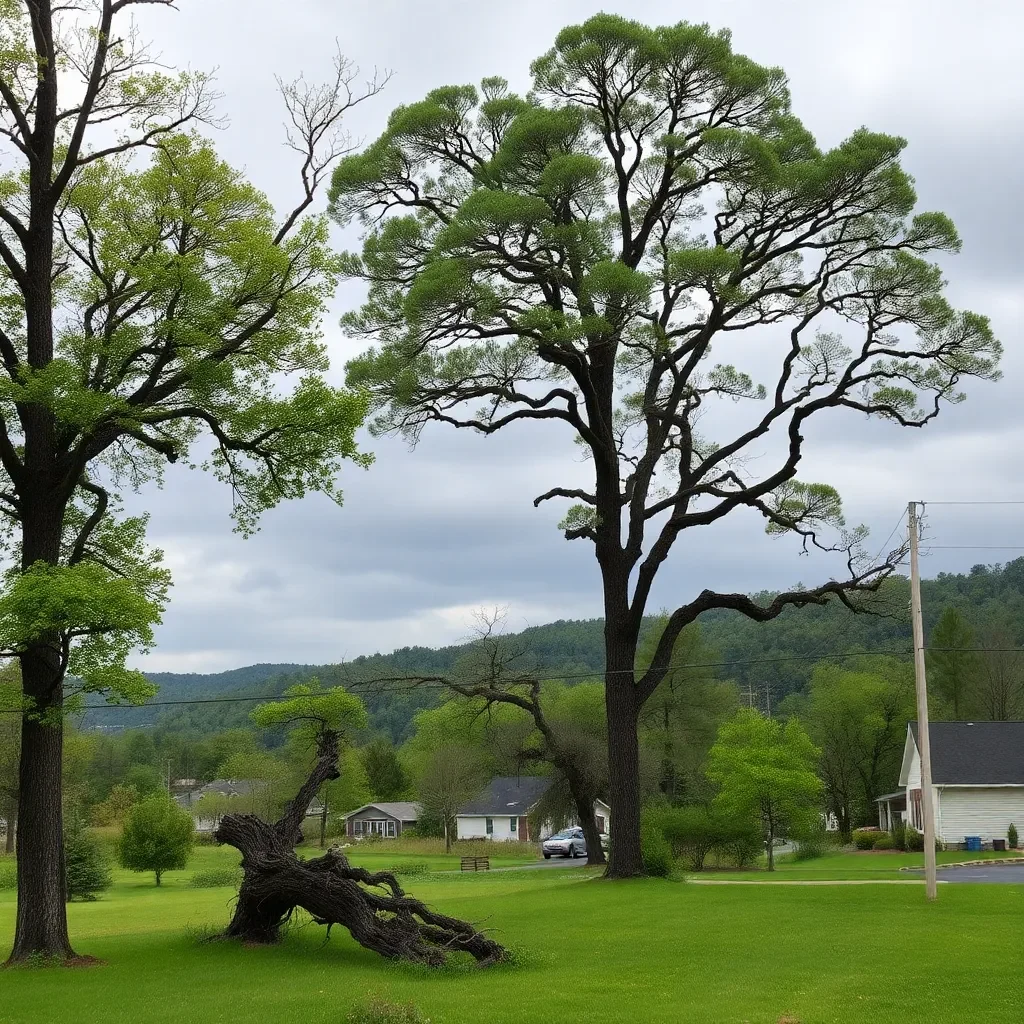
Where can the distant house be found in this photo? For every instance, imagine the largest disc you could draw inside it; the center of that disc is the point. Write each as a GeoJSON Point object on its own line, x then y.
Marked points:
{"type": "Point", "coordinates": [501, 812]}
{"type": "Point", "coordinates": [382, 819]}
{"type": "Point", "coordinates": [977, 777]}
{"type": "Point", "coordinates": [248, 792]}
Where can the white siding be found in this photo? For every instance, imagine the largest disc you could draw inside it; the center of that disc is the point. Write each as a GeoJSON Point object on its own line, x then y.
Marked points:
{"type": "Point", "coordinates": [985, 812]}
{"type": "Point", "coordinates": [476, 828]}
{"type": "Point", "coordinates": [914, 775]}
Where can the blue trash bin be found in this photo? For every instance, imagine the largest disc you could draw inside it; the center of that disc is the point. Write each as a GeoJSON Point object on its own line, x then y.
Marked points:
{"type": "Point", "coordinates": [973, 843]}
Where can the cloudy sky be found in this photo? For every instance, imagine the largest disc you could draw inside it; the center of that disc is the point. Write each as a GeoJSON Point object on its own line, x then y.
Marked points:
{"type": "Point", "coordinates": [428, 536]}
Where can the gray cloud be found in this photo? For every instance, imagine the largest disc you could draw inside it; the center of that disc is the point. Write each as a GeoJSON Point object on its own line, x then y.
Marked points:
{"type": "Point", "coordinates": [427, 536]}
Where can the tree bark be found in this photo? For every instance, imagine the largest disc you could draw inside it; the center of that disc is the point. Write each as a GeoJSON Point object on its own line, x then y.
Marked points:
{"type": "Point", "coordinates": [41, 928]}
{"type": "Point", "coordinates": [372, 906]}
{"type": "Point", "coordinates": [623, 712]}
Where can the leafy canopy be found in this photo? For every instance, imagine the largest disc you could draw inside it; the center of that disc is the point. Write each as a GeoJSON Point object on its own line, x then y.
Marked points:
{"type": "Point", "coordinates": [602, 252]}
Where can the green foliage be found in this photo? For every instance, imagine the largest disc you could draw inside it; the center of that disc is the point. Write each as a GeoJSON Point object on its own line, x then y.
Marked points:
{"type": "Point", "coordinates": [157, 836]}
{"type": "Point", "coordinates": [811, 840]}
{"type": "Point", "coordinates": [386, 779]}
{"type": "Point", "coordinates": [884, 841]}
{"type": "Point", "coordinates": [914, 840]}
{"type": "Point", "coordinates": [952, 665]}
{"type": "Point", "coordinates": [86, 872]}
{"type": "Point", "coordinates": [765, 769]}
{"type": "Point", "coordinates": [381, 1011]}
{"type": "Point", "coordinates": [216, 878]}
{"type": "Point", "coordinates": [1011, 836]}
{"type": "Point", "coordinates": [899, 834]}
{"type": "Point", "coordinates": [657, 853]}
{"type": "Point", "coordinates": [312, 705]}
{"type": "Point", "coordinates": [864, 839]}
{"type": "Point", "coordinates": [115, 808]}
{"type": "Point", "coordinates": [8, 875]}
{"type": "Point", "coordinates": [144, 779]}
{"type": "Point", "coordinates": [859, 720]}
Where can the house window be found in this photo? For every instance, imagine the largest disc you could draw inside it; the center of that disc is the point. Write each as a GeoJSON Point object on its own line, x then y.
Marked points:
{"type": "Point", "coordinates": [358, 827]}
{"type": "Point", "coordinates": [490, 826]}
{"type": "Point", "coordinates": [513, 825]}
{"type": "Point", "coordinates": [599, 821]}
{"type": "Point", "coordinates": [391, 829]}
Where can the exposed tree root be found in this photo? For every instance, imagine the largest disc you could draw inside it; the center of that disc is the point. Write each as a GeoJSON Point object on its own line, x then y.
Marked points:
{"type": "Point", "coordinates": [371, 905]}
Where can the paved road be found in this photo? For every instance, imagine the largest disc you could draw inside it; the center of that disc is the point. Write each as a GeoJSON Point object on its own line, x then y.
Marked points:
{"type": "Point", "coordinates": [1011, 874]}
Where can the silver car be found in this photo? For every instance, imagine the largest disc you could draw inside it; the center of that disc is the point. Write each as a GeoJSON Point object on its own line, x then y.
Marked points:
{"type": "Point", "coordinates": [567, 843]}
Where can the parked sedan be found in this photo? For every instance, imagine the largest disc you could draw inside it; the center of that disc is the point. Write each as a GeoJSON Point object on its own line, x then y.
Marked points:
{"type": "Point", "coordinates": [567, 843]}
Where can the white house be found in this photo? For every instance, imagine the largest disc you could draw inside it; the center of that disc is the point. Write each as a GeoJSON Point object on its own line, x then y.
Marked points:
{"type": "Point", "coordinates": [977, 777]}
{"type": "Point", "coordinates": [501, 812]}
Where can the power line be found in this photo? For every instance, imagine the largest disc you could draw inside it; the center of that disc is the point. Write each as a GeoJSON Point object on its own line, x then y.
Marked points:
{"type": "Point", "coordinates": [971, 503]}
{"type": "Point", "coordinates": [975, 547]}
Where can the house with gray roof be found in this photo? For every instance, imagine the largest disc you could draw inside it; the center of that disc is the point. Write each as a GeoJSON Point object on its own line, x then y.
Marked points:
{"type": "Point", "coordinates": [501, 813]}
{"type": "Point", "coordinates": [387, 819]}
{"type": "Point", "coordinates": [977, 778]}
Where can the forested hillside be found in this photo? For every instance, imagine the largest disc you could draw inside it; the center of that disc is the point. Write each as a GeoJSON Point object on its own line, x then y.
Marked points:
{"type": "Point", "coordinates": [771, 659]}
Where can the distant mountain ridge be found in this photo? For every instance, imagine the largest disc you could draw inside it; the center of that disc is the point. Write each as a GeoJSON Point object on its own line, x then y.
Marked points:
{"type": "Point", "coordinates": [779, 655]}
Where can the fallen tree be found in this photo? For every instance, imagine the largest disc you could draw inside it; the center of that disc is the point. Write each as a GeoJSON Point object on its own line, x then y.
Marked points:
{"type": "Point", "coordinates": [371, 905]}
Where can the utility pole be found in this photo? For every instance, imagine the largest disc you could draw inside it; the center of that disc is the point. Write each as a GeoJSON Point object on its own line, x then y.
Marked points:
{"type": "Point", "coordinates": [921, 686]}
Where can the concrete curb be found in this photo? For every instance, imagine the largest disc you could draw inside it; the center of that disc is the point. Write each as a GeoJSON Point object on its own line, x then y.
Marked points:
{"type": "Point", "coordinates": [974, 863]}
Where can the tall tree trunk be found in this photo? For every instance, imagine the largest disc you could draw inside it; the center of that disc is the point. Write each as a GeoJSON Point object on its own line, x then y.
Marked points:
{"type": "Point", "coordinates": [623, 712]}
{"type": "Point", "coordinates": [42, 928]}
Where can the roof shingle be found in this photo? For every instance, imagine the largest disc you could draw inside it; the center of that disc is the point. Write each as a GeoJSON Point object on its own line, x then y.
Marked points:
{"type": "Point", "coordinates": [976, 753]}
{"type": "Point", "coordinates": [512, 795]}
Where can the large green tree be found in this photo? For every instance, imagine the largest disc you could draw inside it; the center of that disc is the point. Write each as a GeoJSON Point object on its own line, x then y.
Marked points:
{"type": "Point", "coordinates": [599, 254]}
{"type": "Point", "coordinates": [152, 305]}
{"type": "Point", "coordinates": [859, 720]}
{"type": "Point", "coordinates": [766, 771]}
{"type": "Point", "coordinates": [953, 664]}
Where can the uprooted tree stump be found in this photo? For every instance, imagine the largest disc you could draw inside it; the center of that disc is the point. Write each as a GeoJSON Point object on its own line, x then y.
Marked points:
{"type": "Point", "coordinates": [371, 905]}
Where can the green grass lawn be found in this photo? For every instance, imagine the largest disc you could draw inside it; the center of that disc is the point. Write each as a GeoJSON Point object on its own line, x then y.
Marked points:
{"type": "Point", "coordinates": [647, 951]}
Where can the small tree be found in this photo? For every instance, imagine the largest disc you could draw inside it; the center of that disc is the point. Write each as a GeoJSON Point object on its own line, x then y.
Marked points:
{"type": "Point", "coordinates": [765, 768]}
{"type": "Point", "coordinates": [1011, 836]}
{"type": "Point", "coordinates": [449, 778]}
{"type": "Point", "coordinates": [157, 836]}
{"type": "Point", "coordinates": [86, 871]}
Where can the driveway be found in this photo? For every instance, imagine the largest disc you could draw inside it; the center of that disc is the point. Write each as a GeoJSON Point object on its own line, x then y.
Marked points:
{"type": "Point", "coordinates": [1011, 874]}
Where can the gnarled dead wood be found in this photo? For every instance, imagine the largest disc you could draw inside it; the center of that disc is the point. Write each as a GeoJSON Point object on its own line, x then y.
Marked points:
{"type": "Point", "coordinates": [371, 905]}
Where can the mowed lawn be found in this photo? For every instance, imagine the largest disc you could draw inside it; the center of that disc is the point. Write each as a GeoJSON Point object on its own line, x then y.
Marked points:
{"type": "Point", "coordinates": [645, 951]}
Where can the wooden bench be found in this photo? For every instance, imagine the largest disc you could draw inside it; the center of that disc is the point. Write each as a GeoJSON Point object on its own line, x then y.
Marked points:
{"type": "Point", "coordinates": [476, 864]}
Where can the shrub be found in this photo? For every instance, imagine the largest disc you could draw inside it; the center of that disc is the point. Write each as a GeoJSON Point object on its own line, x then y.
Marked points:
{"type": "Point", "coordinates": [8, 875]}
{"type": "Point", "coordinates": [864, 838]}
{"type": "Point", "coordinates": [1011, 836]}
{"type": "Point", "coordinates": [689, 831]}
{"type": "Point", "coordinates": [86, 871]}
{"type": "Point", "coordinates": [883, 842]}
{"type": "Point", "coordinates": [216, 878]}
{"type": "Point", "coordinates": [655, 849]}
{"type": "Point", "coordinates": [899, 834]}
{"type": "Point", "coordinates": [914, 840]}
{"type": "Point", "coordinates": [380, 1011]}
{"type": "Point", "coordinates": [811, 840]}
{"type": "Point", "coordinates": [157, 837]}
{"type": "Point", "coordinates": [410, 867]}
